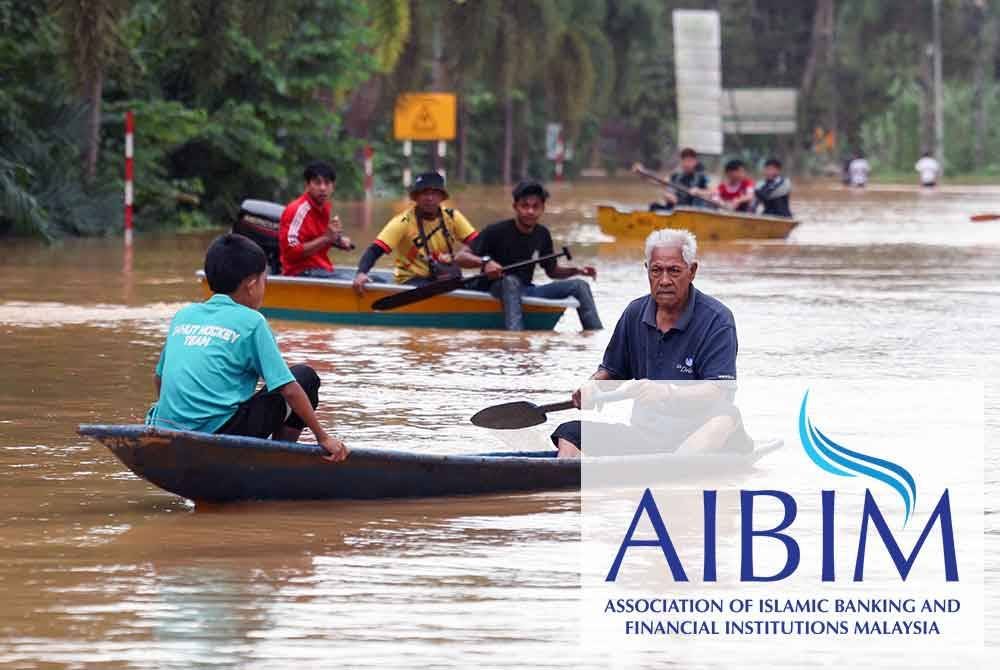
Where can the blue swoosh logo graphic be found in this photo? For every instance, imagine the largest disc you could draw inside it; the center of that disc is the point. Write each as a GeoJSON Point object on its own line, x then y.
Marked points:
{"type": "Point", "coordinates": [844, 462]}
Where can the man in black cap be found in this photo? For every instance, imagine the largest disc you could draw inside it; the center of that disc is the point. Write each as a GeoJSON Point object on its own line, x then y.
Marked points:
{"type": "Point", "coordinates": [428, 241]}
{"type": "Point", "coordinates": [519, 239]}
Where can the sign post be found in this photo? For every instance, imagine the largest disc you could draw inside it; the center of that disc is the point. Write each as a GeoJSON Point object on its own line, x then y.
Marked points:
{"type": "Point", "coordinates": [424, 117]}
{"type": "Point", "coordinates": [698, 73]}
{"type": "Point", "coordinates": [408, 169]}
{"type": "Point", "coordinates": [442, 152]}
{"type": "Point", "coordinates": [369, 172]}
{"type": "Point", "coordinates": [760, 111]}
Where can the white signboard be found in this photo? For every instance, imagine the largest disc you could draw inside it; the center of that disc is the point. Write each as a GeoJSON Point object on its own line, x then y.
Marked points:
{"type": "Point", "coordinates": [698, 65]}
{"type": "Point", "coordinates": [760, 111]}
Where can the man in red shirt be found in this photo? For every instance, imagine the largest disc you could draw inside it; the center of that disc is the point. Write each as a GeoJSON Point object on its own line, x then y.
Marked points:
{"type": "Point", "coordinates": [307, 231]}
{"type": "Point", "coordinates": [736, 191]}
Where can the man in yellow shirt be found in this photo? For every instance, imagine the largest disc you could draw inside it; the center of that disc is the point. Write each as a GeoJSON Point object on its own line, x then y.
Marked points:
{"type": "Point", "coordinates": [428, 241]}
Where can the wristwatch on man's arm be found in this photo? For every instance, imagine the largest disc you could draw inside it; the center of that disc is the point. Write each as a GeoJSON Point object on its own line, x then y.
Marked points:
{"type": "Point", "coordinates": [484, 260]}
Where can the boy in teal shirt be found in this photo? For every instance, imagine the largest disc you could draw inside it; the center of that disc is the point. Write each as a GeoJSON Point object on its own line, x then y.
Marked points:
{"type": "Point", "coordinates": [217, 350]}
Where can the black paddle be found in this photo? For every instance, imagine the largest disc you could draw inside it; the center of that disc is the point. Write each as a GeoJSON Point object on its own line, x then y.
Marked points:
{"type": "Point", "coordinates": [638, 169]}
{"type": "Point", "coordinates": [524, 414]}
{"type": "Point", "coordinates": [520, 414]}
{"type": "Point", "coordinates": [445, 285]}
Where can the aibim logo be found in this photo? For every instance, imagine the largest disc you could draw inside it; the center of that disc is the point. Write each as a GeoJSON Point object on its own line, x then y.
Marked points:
{"type": "Point", "coordinates": [832, 458]}
{"type": "Point", "coordinates": [843, 462]}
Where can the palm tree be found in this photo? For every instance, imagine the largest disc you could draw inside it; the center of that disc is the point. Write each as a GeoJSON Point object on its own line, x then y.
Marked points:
{"type": "Point", "coordinates": [90, 27]}
{"type": "Point", "coordinates": [507, 42]}
{"type": "Point", "coordinates": [580, 75]}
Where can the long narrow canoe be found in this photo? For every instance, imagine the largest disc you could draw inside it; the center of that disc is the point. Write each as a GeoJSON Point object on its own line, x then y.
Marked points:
{"type": "Point", "coordinates": [334, 301]}
{"type": "Point", "coordinates": [706, 224]}
{"type": "Point", "coordinates": [224, 468]}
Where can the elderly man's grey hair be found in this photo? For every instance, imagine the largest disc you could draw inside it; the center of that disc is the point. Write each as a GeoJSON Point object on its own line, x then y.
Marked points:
{"type": "Point", "coordinates": [673, 237]}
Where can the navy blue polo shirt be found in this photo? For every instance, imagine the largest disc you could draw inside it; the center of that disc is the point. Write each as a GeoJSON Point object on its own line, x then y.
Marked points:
{"type": "Point", "coordinates": [701, 345]}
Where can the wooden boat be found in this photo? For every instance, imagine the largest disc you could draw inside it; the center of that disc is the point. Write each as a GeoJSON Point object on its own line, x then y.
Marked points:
{"type": "Point", "coordinates": [334, 301]}
{"type": "Point", "coordinates": [223, 468]}
{"type": "Point", "coordinates": [705, 224]}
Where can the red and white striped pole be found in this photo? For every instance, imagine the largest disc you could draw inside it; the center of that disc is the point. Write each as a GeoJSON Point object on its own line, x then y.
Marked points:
{"type": "Point", "coordinates": [369, 172]}
{"type": "Point", "coordinates": [129, 130]}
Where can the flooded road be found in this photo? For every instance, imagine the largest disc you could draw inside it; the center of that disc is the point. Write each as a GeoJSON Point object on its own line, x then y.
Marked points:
{"type": "Point", "coordinates": [98, 568]}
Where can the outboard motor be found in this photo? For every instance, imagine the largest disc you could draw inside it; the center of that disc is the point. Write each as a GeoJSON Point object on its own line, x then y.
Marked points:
{"type": "Point", "coordinates": [259, 220]}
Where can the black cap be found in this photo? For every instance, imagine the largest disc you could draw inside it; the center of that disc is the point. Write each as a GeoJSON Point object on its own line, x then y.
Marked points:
{"type": "Point", "coordinates": [529, 187]}
{"type": "Point", "coordinates": [428, 181]}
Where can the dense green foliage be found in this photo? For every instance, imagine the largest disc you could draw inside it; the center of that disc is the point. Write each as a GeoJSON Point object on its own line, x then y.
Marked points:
{"type": "Point", "coordinates": [232, 97]}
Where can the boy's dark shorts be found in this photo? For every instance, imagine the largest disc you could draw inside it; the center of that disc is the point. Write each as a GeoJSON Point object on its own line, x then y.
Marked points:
{"type": "Point", "coordinates": [266, 412]}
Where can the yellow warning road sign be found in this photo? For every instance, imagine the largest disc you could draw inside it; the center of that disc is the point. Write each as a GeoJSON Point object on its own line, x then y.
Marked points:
{"type": "Point", "coordinates": [425, 116]}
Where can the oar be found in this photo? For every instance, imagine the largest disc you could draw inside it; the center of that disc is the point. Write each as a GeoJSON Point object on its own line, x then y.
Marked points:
{"type": "Point", "coordinates": [669, 184]}
{"type": "Point", "coordinates": [524, 414]}
{"type": "Point", "coordinates": [985, 217]}
{"type": "Point", "coordinates": [520, 414]}
{"type": "Point", "coordinates": [445, 285]}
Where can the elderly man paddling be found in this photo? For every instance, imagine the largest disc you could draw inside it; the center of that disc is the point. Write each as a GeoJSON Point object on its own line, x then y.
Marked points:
{"type": "Point", "coordinates": [674, 333]}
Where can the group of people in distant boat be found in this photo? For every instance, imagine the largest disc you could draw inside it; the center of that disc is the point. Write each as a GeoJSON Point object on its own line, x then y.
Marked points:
{"type": "Point", "coordinates": [430, 241]}
{"type": "Point", "coordinates": [689, 186]}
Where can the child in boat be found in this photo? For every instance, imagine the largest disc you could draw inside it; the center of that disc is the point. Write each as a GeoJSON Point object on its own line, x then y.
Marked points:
{"type": "Point", "coordinates": [774, 191]}
{"type": "Point", "coordinates": [736, 190]}
{"type": "Point", "coordinates": [217, 350]}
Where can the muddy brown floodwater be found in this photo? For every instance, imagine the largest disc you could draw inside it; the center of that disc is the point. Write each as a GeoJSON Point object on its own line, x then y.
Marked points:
{"type": "Point", "coordinates": [100, 569]}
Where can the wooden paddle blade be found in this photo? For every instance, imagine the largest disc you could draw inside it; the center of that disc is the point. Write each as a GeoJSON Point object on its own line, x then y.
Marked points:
{"type": "Point", "coordinates": [985, 217]}
{"type": "Point", "coordinates": [417, 294]}
{"type": "Point", "coordinates": [520, 414]}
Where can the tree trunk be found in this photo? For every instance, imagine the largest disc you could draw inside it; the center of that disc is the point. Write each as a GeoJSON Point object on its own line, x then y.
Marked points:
{"type": "Point", "coordinates": [508, 136]}
{"type": "Point", "coordinates": [522, 170]}
{"type": "Point", "coordinates": [821, 46]}
{"type": "Point", "coordinates": [521, 121]}
{"type": "Point", "coordinates": [361, 108]}
{"type": "Point", "coordinates": [93, 140]}
{"type": "Point", "coordinates": [983, 79]}
{"type": "Point", "coordinates": [463, 136]}
{"type": "Point", "coordinates": [439, 79]}
{"type": "Point", "coordinates": [925, 81]}
{"type": "Point", "coordinates": [820, 62]}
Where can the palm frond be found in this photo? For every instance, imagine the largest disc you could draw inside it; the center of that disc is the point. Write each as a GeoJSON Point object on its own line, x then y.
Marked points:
{"type": "Point", "coordinates": [391, 23]}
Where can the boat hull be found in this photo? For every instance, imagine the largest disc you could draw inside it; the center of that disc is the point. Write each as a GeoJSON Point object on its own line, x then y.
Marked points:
{"type": "Point", "coordinates": [334, 301]}
{"type": "Point", "coordinates": [705, 224]}
{"type": "Point", "coordinates": [226, 468]}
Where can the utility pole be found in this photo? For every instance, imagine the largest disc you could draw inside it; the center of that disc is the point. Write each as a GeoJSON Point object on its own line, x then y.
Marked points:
{"type": "Point", "coordinates": [938, 88]}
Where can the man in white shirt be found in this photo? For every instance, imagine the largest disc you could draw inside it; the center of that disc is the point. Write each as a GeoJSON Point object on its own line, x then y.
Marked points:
{"type": "Point", "coordinates": [929, 170]}
{"type": "Point", "coordinates": [858, 171]}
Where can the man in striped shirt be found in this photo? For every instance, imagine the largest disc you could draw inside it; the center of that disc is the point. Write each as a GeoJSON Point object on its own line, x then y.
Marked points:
{"type": "Point", "coordinates": [307, 231]}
